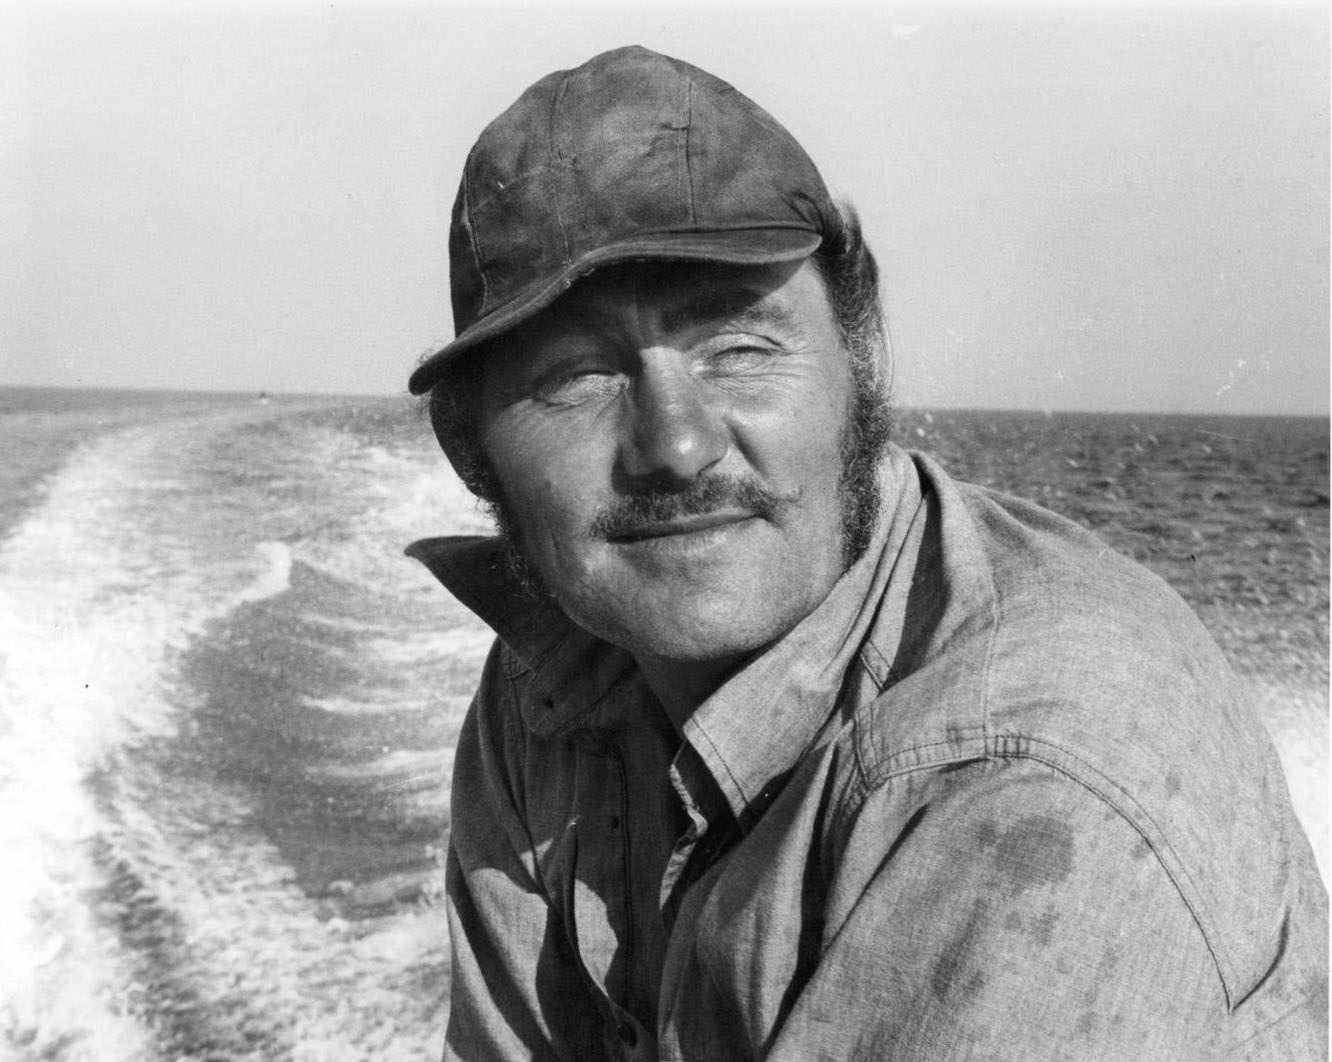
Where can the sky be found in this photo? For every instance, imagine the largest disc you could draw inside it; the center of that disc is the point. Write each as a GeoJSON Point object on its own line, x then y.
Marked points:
{"type": "Point", "coordinates": [1074, 207]}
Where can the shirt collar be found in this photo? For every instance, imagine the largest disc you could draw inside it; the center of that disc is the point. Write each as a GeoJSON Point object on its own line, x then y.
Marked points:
{"type": "Point", "coordinates": [572, 671]}
{"type": "Point", "coordinates": [755, 726]}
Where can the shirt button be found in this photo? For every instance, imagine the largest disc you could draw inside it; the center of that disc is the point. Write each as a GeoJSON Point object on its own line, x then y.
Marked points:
{"type": "Point", "coordinates": [627, 1033]}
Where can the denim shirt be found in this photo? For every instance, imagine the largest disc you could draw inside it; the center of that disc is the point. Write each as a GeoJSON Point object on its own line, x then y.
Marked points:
{"type": "Point", "coordinates": [997, 797]}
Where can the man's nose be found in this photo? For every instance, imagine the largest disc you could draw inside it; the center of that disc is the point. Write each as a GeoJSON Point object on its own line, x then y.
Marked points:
{"type": "Point", "coordinates": [676, 430]}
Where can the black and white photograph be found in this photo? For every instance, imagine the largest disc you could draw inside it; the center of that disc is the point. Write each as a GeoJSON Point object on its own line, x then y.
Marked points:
{"type": "Point", "coordinates": [702, 532]}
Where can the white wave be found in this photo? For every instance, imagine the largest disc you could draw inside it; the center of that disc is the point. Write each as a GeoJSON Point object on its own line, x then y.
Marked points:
{"type": "Point", "coordinates": [77, 648]}
{"type": "Point", "coordinates": [419, 764]}
{"type": "Point", "coordinates": [276, 578]}
{"type": "Point", "coordinates": [465, 645]}
{"type": "Point", "coordinates": [399, 497]}
{"type": "Point", "coordinates": [351, 706]}
{"type": "Point", "coordinates": [132, 551]}
{"type": "Point", "coordinates": [96, 594]}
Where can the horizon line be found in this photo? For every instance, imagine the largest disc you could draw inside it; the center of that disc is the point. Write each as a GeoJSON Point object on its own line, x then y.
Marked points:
{"type": "Point", "coordinates": [257, 393]}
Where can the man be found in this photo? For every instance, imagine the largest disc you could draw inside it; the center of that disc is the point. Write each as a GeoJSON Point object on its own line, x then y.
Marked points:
{"type": "Point", "coordinates": [792, 747]}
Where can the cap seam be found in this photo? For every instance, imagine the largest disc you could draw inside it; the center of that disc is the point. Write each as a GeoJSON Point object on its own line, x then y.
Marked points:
{"type": "Point", "coordinates": [475, 241]}
{"type": "Point", "coordinates": [689, 148]}
{"type": "Point", "coordinates": [557, 157]}
{"type": "Point", "coordinates": [483, 202]}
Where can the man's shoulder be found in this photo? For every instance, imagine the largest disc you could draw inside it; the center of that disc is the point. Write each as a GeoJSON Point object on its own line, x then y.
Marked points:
{"type": "Point", "coordinates": [1014, 609]}
{"type": "Point", "coordinates": [1043, 568]}
{"type": "Point", "coordinates": [1027, 638]}
{"type": "Point", "coordinates": [1026, 634]}
{"type": "Point", "coordinates": [1069, 616]}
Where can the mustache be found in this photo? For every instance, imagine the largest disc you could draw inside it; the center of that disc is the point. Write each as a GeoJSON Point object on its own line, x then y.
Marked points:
{"type": "Point", "coordinates": [627, 516]}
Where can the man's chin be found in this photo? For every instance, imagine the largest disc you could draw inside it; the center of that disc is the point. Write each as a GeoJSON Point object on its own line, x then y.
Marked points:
{"type": "Point", "coordinates": [688, 647]}
{"type": "Point", "coordinates": [683, 624]}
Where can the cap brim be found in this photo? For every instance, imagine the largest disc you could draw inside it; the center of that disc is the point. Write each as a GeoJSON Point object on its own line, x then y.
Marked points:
{"type": "Point", "coordinates": [740, 247]}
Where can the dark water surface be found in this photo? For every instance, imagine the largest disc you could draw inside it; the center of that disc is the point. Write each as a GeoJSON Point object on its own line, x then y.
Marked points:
{"type": "Point", "coordinates": [228, 702]}
{"type": "Point", "coordinates": [1231, 511]}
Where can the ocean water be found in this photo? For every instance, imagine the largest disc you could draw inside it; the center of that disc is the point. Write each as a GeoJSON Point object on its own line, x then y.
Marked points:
{"type": "Point", "coordinates": [228, 702]}
{"type": "Point", "coordinates": [226, 708]}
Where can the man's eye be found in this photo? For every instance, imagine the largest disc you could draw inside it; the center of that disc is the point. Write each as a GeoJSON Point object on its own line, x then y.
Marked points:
{"type": "Point", "coordinates": [577, 385]}
{"type": "Point", "coordinates": [738, 357]}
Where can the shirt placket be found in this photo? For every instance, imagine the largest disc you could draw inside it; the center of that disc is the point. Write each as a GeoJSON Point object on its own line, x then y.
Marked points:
{"type": "Point", "coordinates": [600, 906]}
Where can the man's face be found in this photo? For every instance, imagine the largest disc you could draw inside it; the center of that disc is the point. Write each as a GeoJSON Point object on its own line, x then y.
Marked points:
{"type": "Point", "coordinates": [668, 445]}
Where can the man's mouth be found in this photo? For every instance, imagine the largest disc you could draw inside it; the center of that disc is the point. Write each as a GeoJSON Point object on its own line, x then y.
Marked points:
{"type": "Point", "coordinates": [707, 509]}
{"type": "Point", "coordinates": [691, 524]}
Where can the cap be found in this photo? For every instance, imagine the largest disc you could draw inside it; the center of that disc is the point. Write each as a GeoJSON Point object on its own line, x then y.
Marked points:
{"type": "Point", "coordinates": [631, 156]}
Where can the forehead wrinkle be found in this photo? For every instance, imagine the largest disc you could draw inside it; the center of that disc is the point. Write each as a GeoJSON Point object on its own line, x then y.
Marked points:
{"type": "Point", "coordinates": [741, 307]}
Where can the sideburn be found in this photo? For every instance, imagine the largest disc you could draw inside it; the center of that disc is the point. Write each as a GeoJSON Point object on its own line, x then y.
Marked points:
{"type": "Point", "coordinates": [520, 568]}
{"type": "Point", "coordinates": [864, 439]}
